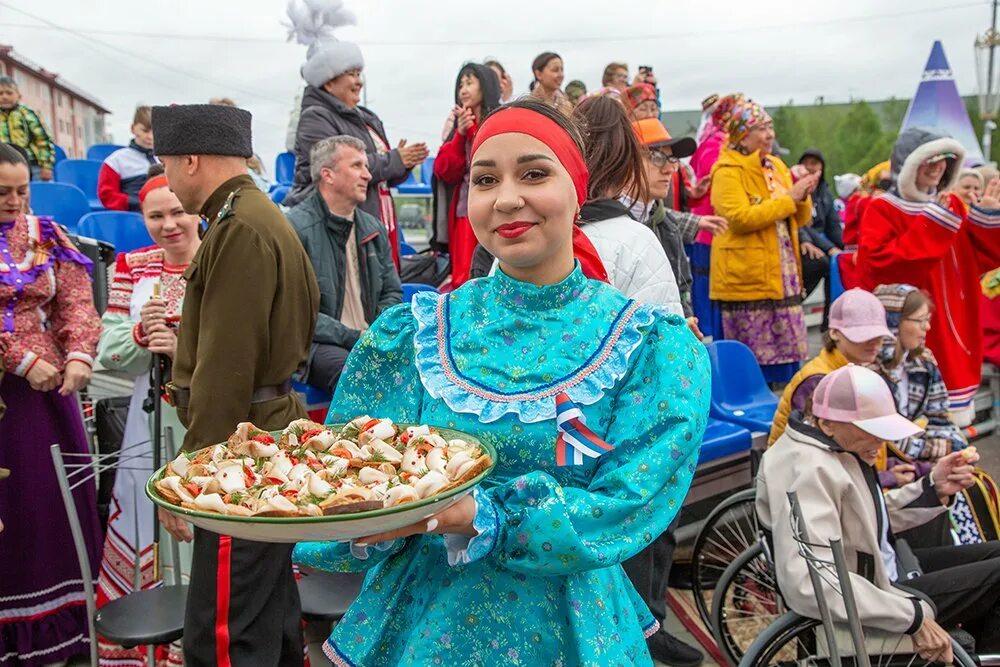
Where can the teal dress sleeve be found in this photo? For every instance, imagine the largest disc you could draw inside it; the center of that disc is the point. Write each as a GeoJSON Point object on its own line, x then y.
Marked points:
{"type": "Point", "coordinates": [534, 525]}
{"type": "Point", "coordinates": [385, 350]}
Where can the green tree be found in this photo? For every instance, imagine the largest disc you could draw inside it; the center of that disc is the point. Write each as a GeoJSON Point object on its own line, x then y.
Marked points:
{"type": "Point", "coordinates": [972, 106]}
{"type": "Point", "coordinates": [790, 130]}
{"type": "Point", "coordinates": [861, 141]}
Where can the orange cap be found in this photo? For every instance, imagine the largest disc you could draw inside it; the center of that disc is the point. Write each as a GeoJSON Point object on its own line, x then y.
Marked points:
{"type": "Point", "coordinates": [651, 132]}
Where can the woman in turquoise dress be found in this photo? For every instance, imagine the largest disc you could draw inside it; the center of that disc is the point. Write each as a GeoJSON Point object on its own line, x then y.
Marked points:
{"type": "Point", "coordinates": [526, 570]}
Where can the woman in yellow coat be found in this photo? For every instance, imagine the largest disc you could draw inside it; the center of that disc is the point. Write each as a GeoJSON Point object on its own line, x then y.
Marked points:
{"type": "Point", "coordinates": [756, 272]}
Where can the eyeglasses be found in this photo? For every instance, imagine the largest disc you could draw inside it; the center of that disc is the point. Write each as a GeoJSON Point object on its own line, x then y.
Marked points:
{"type": "Point", "coordinates": [356, 73]}
{"type": "Point", "coordinates": [661, 159]}
{"type": "Point", "coordinates": [920, 321]}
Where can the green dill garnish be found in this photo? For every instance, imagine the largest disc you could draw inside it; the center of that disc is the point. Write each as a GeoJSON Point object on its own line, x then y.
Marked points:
{"type": "Point", "coordinates": [236, 498]}
{"type": "Point", "coordinates": [378, 457]}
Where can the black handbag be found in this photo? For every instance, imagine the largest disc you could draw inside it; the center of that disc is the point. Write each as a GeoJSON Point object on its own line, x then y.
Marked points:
{"type": "Point", "coordinates": [110, 415]}
{"type": "Point", "coordinates": [425, 268]}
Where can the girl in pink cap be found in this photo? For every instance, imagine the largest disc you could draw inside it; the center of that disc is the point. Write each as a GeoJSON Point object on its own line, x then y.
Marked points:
{"type": "Point", "coordinates": [857, 329]}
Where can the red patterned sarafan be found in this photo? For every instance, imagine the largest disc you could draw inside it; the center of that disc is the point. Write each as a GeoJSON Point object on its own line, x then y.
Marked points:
{"type": "Point", "coordinates": [577, 376]}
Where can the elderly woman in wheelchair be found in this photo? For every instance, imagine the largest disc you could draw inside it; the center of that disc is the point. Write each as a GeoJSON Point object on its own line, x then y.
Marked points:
{"type": "Point", "coordinates": [828, 466]}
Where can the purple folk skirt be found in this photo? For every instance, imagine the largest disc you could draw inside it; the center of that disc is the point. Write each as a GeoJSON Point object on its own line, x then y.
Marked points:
{"type": "Point", "coordinates": [43, 617]}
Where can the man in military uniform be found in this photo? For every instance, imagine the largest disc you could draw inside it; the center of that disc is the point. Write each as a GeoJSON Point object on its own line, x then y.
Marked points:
{"type": "Point", "coordinates": [247, 322]}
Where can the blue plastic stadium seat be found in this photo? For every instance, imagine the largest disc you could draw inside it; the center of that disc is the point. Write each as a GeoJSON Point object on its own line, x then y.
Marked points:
{"type": "Point", "coordinates": [126, 231]}
{"type": "Point", "coordinates": [60, 152]}
{"type": "Point", "coordinates": [63, 202]}
{"type": "Point", "coordinates": [723, 439]}
{"type": "Point", "coordinates": [413, 185]}
{"type": "Point", "coordinates": [419, 180]}
{"type": "Point", "coordinates": [406, 249]}
{"type": "Point", "coordinates": [316, 400]}
{"type": "Point", "coordinates": [284, 168]}
{"type": "Point", "coordinates": [739, 393]}
{"type": "Point", "coordinates": [427, 170]}
{"type": "Point", "coordinates": [279, 193]}
{"type": "Point", "coordinates": [409, 289]}
{"type": "Point", "coordinates": [82, 174]}
{"type": "Point", "coordinates": [836, 284]}
{"type": "Point", "coordinates": [100, 152]}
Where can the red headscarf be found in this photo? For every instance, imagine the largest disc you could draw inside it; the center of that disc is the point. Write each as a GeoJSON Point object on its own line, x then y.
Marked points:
{"type": "Point", "coordinates": [534, 124]}
{"type": "Point", "coordinates": [152, 184]}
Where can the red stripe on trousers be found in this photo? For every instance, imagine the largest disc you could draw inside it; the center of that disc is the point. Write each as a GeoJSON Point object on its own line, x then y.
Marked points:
{"type": "Point", "coordinates": [222, 602]}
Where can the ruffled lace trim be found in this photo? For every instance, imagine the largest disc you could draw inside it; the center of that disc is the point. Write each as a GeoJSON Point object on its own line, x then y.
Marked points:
{"type": "Point", "coordinates": [585, 386]}
{"type": "Point", "coordinates": [463, 549]}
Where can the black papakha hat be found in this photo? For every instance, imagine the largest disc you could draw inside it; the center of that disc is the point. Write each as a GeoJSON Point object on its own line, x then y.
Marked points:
{"type": "Point", "coordinates": [202, 129]}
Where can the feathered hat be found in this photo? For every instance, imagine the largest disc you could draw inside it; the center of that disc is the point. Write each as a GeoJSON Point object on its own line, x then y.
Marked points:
{"type": "Point", "coordinates": [312, 23]}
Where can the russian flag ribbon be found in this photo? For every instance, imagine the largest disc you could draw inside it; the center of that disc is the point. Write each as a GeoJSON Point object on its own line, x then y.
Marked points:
{"type": "Point", "coordinates": [575, 440]}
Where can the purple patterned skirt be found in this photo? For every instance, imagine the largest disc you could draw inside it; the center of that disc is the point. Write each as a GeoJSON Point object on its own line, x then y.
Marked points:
{"type": "Point", "coordinates": [43, 617]}
{"type": "Point", "coordinates": [774, 330]}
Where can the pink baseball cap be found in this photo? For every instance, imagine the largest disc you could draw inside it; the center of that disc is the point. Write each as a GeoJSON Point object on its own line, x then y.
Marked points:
{"type": "Point", "coordinates": [856, 395]}
{"type": "Point", "coordinates": [859, 316]}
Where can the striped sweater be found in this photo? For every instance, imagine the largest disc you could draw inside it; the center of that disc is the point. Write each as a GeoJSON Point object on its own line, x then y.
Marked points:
{"type": "Point", "coordinates": [122, 175]}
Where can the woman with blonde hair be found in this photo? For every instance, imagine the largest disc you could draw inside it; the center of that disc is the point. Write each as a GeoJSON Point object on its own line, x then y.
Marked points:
{"type": "Point", "coordinates": [970, 187]}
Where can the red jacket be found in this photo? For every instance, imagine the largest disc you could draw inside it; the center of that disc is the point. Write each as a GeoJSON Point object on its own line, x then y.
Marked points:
{"type": "Point", "coordinates": [942, 251]}
{"type": "Point", "coordinates": [847, 261]}
{"type": "Point", "coordinates": [450, 165]}
{"type": "Point", "coordinates": [991, 329]}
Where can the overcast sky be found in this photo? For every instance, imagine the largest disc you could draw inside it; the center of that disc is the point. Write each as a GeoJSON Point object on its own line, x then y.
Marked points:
{"type": "Point", "coordinates": [189, 50]}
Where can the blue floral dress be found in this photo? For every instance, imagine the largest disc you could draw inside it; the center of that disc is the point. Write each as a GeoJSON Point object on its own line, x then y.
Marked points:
{"type": "Point", "coordinates": [541, 583]}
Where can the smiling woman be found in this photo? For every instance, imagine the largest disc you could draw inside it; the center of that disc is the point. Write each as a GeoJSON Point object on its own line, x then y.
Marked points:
{"type": "Point", "coordinates": [331, 107]}
{"type": "Point", "coordinates": [48, 335]}
{"type": "Point", "coordinates": [550, 368]}
{"type": "Point", "coordinates": [477, 94]}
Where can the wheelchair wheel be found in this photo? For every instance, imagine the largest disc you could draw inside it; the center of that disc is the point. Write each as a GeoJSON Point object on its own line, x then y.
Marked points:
{"type": "Point", "coordinates": [796, 641]}
{"type": "Point", "coordinates": [745, 602]}
{"type": "Point", "coordinates": [729, 530]}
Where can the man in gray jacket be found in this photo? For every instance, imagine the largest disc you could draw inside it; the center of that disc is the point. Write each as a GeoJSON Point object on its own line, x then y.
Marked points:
{"type": "Point", "coordinates": [350, 253]}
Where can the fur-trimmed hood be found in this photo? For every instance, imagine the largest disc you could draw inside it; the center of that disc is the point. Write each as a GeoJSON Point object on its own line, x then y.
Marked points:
{"type": "Point", "coordinates": [913, 147]}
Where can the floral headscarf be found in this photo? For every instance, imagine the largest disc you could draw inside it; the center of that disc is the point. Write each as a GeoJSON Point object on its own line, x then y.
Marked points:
{"type": "Point", "coordinates": [639, 93]}
{"type": "Point", "coordinates": [745, 117]}
{"type": "Point", "coordinates": [724, 109]}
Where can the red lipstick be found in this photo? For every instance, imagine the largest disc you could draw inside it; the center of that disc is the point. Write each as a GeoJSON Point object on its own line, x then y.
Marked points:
{"type": "Point", "coordinates": [514, 229]}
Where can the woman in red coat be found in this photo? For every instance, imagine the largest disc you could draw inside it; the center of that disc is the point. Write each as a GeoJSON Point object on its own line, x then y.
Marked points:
{"type": "Point", "coordinates": [477, 93]}
{"type": "Point", "coordinates": [930, 240]}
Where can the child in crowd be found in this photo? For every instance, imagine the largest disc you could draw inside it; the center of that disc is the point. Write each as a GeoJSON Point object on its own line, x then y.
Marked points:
{"type": "Point", "coordinates": [913, 374]}
{"type": "Point", "coordinates": [857, 327]}
{"type": "Point", "coordinates": [125, 171]}
{"type": "Point", "coordinates": [21, 127]}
